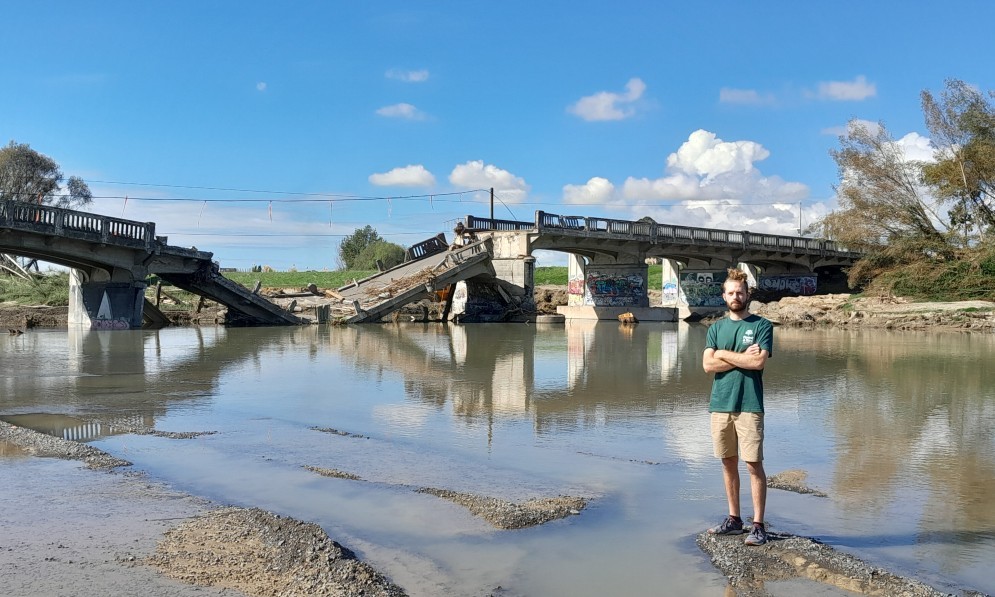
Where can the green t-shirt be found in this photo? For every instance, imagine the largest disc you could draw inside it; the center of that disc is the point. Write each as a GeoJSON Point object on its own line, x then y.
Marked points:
{"type": "Point", "coordinates": [739, 390]}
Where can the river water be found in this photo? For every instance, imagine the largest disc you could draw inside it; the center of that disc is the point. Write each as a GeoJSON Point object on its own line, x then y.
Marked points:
{"type": "Point", "coordinates": [897, 428]}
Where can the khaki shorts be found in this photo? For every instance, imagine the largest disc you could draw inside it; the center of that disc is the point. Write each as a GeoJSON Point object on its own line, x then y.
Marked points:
{"type": "Point", "coordinates": [739, 434]}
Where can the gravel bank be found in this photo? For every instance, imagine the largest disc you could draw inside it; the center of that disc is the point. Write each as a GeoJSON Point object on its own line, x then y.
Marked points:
{"type": "Point", "coordinates": [787, 557]}
{"type": "Point", "coordinates": [265, 555]}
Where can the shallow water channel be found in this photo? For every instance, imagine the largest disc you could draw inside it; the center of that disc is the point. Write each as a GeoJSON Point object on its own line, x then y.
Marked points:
{"type": "Point", "coordinates": [897, 428]}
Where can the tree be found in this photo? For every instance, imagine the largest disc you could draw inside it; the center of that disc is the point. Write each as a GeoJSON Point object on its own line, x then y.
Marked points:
{"type": "Point", "coordinates": [31, 177]}
{"type": "Point", "coordinates": [880, 193]}
{"type": "Point", "coordinates": [353, 245]}
{"type": "Point", "coordinates": [389, 254]}
{"type": "Point", "coordinates": [884, 209]}
{"type": "Point", "coordinates": [962, 125]}
{"type": "Point", "coordinates": [364, 247]}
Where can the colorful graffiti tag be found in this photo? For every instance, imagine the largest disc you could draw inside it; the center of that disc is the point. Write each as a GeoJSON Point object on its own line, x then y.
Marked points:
{"type": "Point", "coordinates": [703, 289]}
{"type": "Point", "coordinates": [794, 284]}
{"type": "Point", "coordinates": [615, 290]}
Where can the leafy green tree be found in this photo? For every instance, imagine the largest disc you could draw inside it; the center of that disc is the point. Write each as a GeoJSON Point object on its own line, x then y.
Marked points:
{"type": "Point", "coordinates": [28, 176]}
{"type": "Point", "coordinates": [389, 254]}
{"type": "Point", "coordinates": [353, 245]}
{"type": "Point", "coordinates": [881, 198]}
{"type": "Point", "coordinates": [884, 209]}
{"type": "Point", "coordinates": [962, 127]}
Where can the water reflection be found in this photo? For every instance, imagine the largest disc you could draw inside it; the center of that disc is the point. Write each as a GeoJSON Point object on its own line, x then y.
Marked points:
{"type": "Point", "coordinates": [912, 416]}
{"type": "Point", "coordinates": [75, 429]}
{"type": "Point", "coordinates": [504, 370]}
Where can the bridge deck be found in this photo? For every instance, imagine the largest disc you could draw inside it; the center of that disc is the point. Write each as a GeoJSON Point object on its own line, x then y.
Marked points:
{"type": "Point", "coordinates": [561, 232]}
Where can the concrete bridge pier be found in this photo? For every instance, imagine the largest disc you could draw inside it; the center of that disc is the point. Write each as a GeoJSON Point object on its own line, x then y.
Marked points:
{"type": "Point", "coordinates": [105, 304]}
{"type": "Point", "coordinates": [505, 293]}
{"type": "Point", "coordinates": [603, 289]}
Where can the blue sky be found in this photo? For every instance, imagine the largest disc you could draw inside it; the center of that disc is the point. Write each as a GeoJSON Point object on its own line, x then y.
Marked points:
{"type": "Point", "coordinates": [265, 132]}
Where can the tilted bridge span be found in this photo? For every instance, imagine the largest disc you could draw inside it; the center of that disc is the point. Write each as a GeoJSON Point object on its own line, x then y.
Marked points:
{"type": "Point", "coordinates": [111, 259]}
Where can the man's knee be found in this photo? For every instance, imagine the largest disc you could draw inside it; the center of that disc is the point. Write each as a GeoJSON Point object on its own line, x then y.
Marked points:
{"type": "Point", "coordinates": [756, 468]}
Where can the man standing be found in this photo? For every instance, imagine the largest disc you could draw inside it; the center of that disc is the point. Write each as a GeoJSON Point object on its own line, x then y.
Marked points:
{"type": "Point", "coordinates": [736, 349]}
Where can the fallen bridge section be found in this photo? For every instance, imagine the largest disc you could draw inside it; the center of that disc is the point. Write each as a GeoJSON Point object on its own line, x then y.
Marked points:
{"type": "Point", "coordinates": [388, 291]}
{"type": "Point", "coordinates": [244, 306]}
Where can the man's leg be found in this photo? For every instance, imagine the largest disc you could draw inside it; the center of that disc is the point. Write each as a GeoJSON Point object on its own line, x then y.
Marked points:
{"type": "Point", "coordinates": [758, 488]}
{"type": "Point", "coordinates": [730, 474]}
{"type": "Point", "coordinates": [725, 444]}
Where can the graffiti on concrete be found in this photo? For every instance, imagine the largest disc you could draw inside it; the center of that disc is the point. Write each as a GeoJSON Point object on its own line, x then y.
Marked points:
{"type": "Point", "coordinates": [703, 289]}
{"type": "Point", "coordinates": [671, 292]}
{"type": "Point", "coordinates": [794, 284]}
{"type": "Point", "coordinates": [616, 290]}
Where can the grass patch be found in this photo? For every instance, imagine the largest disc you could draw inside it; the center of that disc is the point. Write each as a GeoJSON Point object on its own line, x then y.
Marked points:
{"type": "Point", "coordinates": [968, 277]}
{"type": "Point", "coordinates": [551, 275]}
{"type": "Point", "coordinates": [51, 289]}
{"type": "Point", "coordinates": [335, 279]}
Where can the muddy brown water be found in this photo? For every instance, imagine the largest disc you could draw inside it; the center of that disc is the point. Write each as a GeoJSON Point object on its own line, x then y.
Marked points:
{"type": "Point", "coordinates": [898, 429]}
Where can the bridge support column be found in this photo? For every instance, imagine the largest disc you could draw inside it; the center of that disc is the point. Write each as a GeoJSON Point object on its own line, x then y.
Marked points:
{"type": "Point", "coordinates": [607, 290]}
{"type": "Point", "coordinates": [105, 305]}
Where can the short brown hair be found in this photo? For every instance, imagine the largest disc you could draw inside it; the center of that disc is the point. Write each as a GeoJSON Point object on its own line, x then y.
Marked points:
{"type": "Point", "coordinates": [734, 274]}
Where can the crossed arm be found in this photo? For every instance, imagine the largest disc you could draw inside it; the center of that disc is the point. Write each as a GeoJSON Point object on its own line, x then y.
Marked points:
{"type": "Point", "coordinates": [717, 361]}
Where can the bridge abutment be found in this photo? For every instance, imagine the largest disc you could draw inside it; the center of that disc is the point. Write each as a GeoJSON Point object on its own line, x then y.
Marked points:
{"type": "Point", "coordinates": [105, 305]}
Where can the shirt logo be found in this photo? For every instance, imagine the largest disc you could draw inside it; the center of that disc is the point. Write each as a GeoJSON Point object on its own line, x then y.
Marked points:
{"type": "Point", "coordinates": [748, 337]}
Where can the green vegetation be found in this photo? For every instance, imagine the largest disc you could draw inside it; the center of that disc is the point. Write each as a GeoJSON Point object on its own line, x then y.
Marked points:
{"type": "Point", "coordinates": [26, 175]}
{"type": "Point", "coordinates": [551, 275]}
{"type": "Point", "coordinates": [50, 289]}
{"type": "Point", "coordinates": [364, 247]}
{"type": "Point", "coordinates": [335, 279]}
{"type": "Point", "coordinates": [927, 228]}
{"type": "Point", "coordinates": [968, 276]}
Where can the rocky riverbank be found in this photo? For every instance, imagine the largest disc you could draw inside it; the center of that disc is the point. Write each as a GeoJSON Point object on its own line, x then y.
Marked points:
{"type": "Point", "coordinates": [893, 313]}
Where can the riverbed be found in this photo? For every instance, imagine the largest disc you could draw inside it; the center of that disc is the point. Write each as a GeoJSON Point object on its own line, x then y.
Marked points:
{"type": "Point", "coordinates": [895, 428]}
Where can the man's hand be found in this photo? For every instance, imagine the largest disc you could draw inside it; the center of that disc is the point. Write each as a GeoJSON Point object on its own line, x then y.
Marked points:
{"type": "Point", "coordinates": [717, 361]}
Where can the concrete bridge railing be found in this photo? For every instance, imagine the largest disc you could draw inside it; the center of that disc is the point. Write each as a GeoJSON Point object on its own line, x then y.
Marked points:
{"type": "Point", "coordinates": [65, 222]}
{"type": "Point", "coordinates": [655, 233]}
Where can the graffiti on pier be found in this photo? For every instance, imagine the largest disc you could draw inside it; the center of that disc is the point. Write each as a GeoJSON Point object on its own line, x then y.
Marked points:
{"type": "Point", "coordinates": [704, 288]}
{"type": "Point", "coordinates": [616, 290]}
{"type": "Point", "coordinates": [793, 284]}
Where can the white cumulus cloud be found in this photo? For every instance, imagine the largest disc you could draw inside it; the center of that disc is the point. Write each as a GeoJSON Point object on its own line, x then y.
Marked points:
{"type": "Point", "coordinates": [407, 76]}
{"type": "Point", "coordinates": [261, 86]}
{"type": "Point", "coordinates": [402, 110]}
{"type": "Point", "coordinates": [847, 91]}
{"type": "Point", "coordinates": [704, 154]}
{"type": "Point", "coordinates": [476, 175]}
{"type": "Point", "coordinates": [606, 105]}
{"type": "Point", "coordinates": [597, 191]}
{"type": "Point", "coordinates": [917, 148]}
{"type": "Point", "coordinates": [713, 183]}
{"type": "Point", "coordinates": [408, 176]}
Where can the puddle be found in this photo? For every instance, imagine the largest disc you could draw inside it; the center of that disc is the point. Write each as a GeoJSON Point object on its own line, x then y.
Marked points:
{"type": "Point", "coordinates": [63, 426]}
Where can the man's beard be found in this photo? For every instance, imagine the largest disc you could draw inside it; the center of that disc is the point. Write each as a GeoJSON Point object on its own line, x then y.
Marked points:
{"type": "Point", "coordinates": [737, 306]}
